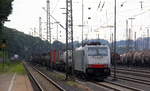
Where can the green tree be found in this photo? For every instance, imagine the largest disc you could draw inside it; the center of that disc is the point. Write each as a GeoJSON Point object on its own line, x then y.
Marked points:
{"type": "Point", "coordinates": [5, 10]}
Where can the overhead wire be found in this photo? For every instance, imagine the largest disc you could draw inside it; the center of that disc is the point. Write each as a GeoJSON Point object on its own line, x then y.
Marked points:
{"type": "Point", "coordinates": [102, 6]}
{"type": "Point", "coordinates": [99, 5]}
{"type": "Point", "coordinates": [55, 6]}
{"type": "Point", "coordinates": [128, 11]}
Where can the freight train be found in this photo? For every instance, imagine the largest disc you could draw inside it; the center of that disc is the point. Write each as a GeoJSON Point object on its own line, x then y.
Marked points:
{"type": "Point", "coordinates": [136, 58]}
{"type": "Point", "coordinates": [92, 60]}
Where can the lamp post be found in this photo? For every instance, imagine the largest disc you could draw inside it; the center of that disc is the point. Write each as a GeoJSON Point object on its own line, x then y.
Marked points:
{"type": "Point", "coordinates": [114, 58]}
{"type": "Point", "coordinates": [82, 20]}
{"type": "Point", "coordinates": [131, 31]}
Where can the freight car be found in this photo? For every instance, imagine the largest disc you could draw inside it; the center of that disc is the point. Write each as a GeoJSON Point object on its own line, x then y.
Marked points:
{"type": "Point", "coordinates": [116, 57]}
{"type": "Point", "coordinates": [42, 59]}
{"type": "Point", "coordinates": [136, 58]}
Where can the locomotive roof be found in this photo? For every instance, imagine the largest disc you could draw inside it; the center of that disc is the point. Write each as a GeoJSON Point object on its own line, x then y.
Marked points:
{"type": "Point", "coordinates": [81, 48]}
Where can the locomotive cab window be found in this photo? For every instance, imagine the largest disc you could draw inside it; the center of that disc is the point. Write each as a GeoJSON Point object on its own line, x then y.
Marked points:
{"type": "Point", "coordinates": [97, 51]}
{"type": "Point", "coordinates": [103, 51]}
{"type": "Point", "coordinates": [92, 51]}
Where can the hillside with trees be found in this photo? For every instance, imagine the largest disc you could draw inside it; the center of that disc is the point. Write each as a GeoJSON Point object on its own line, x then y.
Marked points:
{"type": "Point", "coordinates": [23, 44]}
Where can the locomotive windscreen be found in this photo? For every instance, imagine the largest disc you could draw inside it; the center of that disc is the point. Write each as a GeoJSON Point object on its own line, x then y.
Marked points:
{"type": "Point", "coordinates": [97, 51]}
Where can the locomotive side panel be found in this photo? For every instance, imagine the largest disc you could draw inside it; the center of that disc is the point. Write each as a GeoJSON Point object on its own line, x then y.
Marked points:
{"type": "Point", "coordinates": [79, 60]}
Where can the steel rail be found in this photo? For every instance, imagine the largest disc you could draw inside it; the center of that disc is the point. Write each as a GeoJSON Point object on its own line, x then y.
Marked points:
{"type": "Point", "coordinates": [31, 77]}
{"type": "Point", "coordinates": [118, 85]}
{"type": "Point", "coordinates": [106, 86]}
{"type": "Point", "coordinates": [54, 83]}
{"type": "Point", "coordinates": [124, 86]}
{"type": "Point", "coordinates": [133, 73]}
{"type": "Point", "coordinates": [134, 80]}
{"type": "Point", "coordinates": [46, 77]}
{"type": "Point", "coordinates": [138, 70]}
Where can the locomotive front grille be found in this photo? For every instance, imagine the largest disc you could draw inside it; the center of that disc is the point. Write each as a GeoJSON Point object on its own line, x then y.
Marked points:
{"type": "Point", "coordinates": [98, 72]}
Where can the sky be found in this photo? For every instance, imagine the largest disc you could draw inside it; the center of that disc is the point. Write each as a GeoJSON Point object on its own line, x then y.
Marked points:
{"type": "Point", "coordinates": [26, 13]}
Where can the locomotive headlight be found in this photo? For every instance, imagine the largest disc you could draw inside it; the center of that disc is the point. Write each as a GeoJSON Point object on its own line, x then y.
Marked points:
{"type": "Point", "coordinates": [105, 70]}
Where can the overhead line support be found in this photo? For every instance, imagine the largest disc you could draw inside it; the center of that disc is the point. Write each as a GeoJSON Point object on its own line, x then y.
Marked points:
{"type": "Point", "coordinates": [69, 37]}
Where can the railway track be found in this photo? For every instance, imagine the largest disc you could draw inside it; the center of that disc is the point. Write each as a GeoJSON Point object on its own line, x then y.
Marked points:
{"type": "Point", "coordinates": [116, 86]}
{"type": "Point", "coordinates": [134, 70]}
{"type": "Point", "coordinates": [134, 73]}
{"type": "Point", "coordinates": [111, 85]}
{"type": "Point", "coordinates": [133, 79]}
{"type": "Point", "coordinates": [43, 83]}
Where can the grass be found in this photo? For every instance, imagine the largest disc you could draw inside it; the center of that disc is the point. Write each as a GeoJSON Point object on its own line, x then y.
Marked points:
{"type": "Point", "coordinates": [6, 55]}
{"type": "Point", "coordinates": [72, 83]}
{"type": "Point", "coordinates": [12, 67]}
{"type": "Point", "coordinates": [58, 76]}
{"type": "Point", "coordinates": [62, 77]}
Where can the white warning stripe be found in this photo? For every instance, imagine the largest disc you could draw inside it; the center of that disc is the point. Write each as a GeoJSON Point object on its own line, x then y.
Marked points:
{"type": "Point", "coordinates": [12, 82]}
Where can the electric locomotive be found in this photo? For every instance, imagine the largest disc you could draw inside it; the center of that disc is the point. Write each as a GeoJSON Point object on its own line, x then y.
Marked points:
{"type": "Point", "coordinates": [92, 60]}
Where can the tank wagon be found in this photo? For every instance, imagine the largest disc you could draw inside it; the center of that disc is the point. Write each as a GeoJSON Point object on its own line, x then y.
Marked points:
{"type": "Point", "coordinates": [136, 58]}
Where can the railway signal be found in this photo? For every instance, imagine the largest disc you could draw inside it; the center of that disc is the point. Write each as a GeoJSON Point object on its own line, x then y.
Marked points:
{"type": "Point", "coordinates": [3, 46]}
